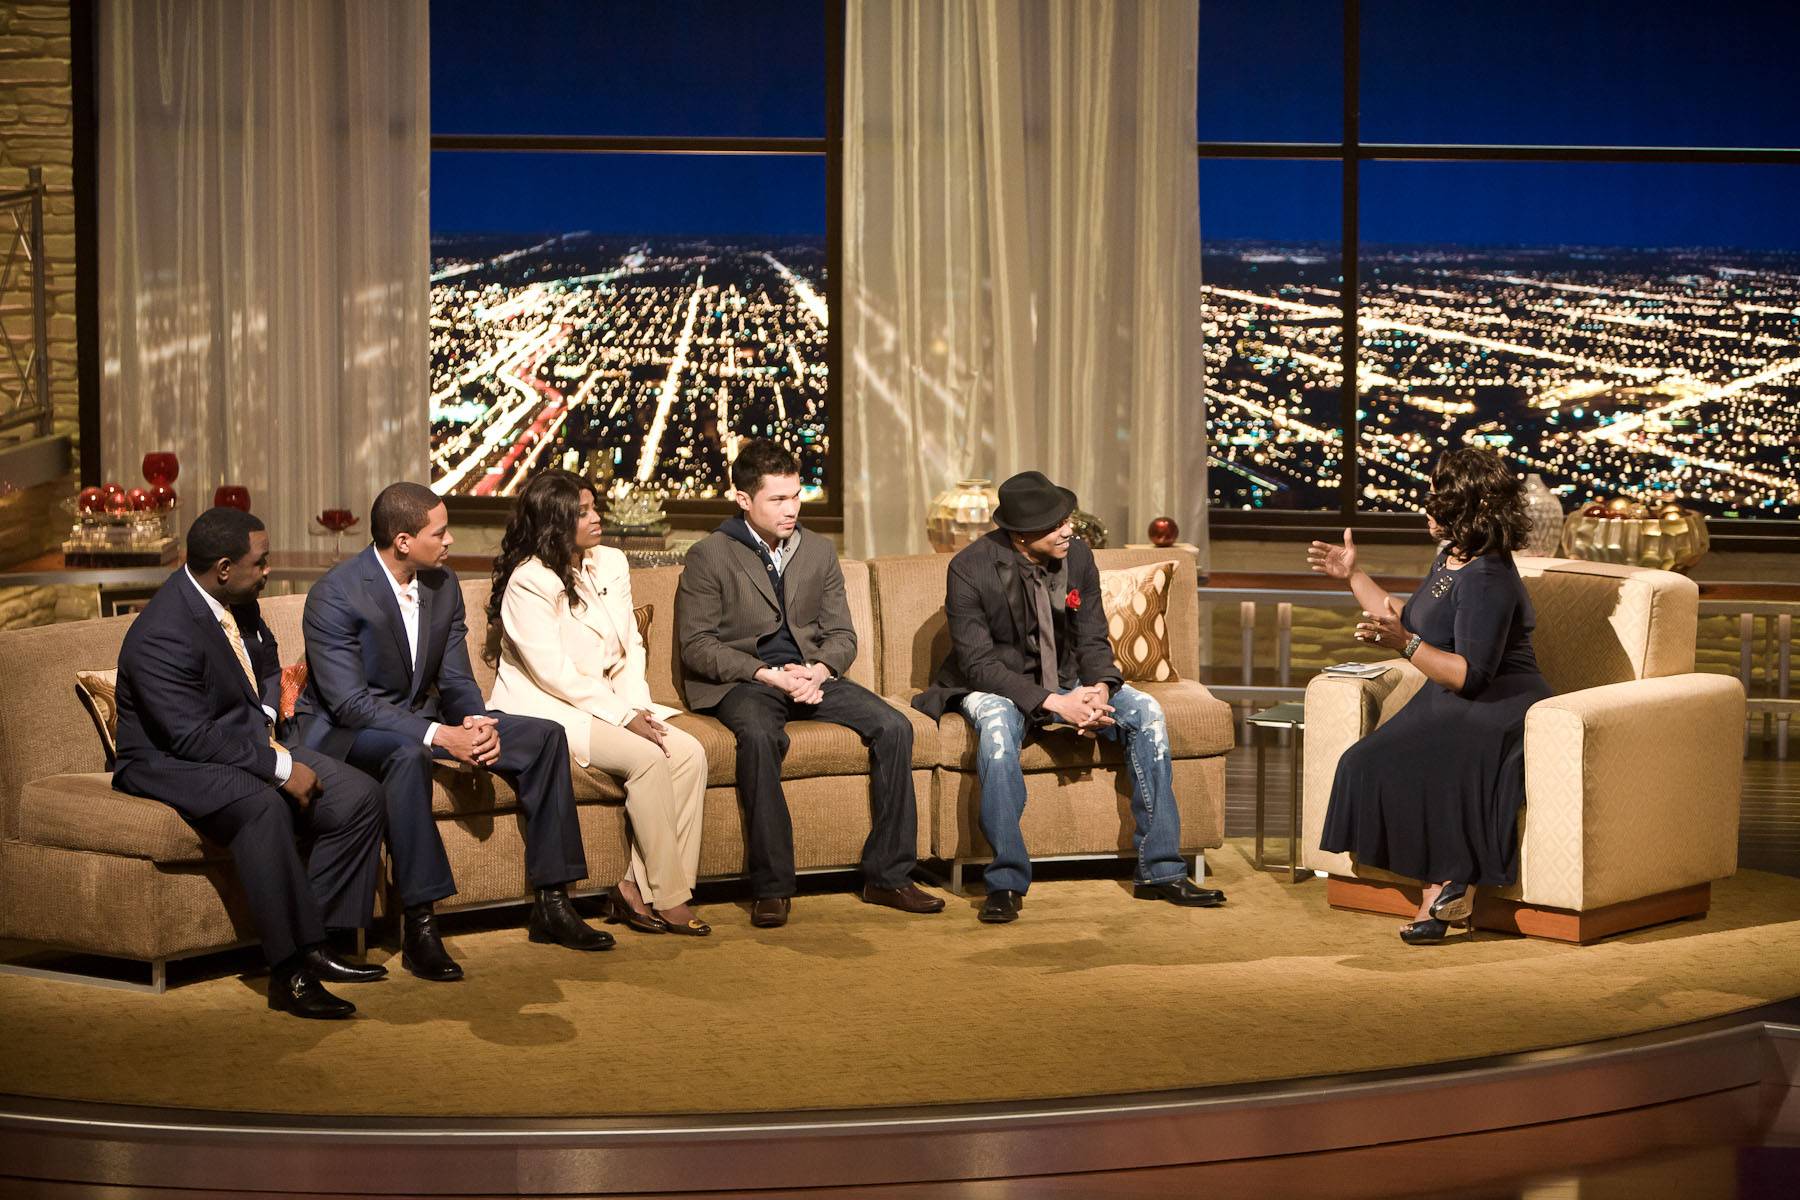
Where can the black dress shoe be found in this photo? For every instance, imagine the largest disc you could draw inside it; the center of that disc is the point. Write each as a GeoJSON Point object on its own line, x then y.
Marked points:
{"type": "Point", "coordinates": [1000, 907]}
{"type": "Point", "coordinates": [1182, 892]}
{"type": "Point", "coordinates": [1454, 903]}
{"type": "Point", "coordinates": [327, 967]}
{"type": "Point", "coordinates": [770, 912]}
{"type": "Point", "coordinates": [554, 921]}
{"type": "Point", "coordinates": [294, 990]}
{"type": "Point", "coordinates": [422, 949]}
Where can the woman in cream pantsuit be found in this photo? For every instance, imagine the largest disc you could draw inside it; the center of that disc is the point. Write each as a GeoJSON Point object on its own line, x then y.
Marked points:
{"type": "Point", "coordinates": [570, 651]}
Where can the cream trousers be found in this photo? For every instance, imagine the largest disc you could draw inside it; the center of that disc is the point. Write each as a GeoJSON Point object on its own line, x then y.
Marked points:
{"type": "Point", "coordinates": [664, 796]}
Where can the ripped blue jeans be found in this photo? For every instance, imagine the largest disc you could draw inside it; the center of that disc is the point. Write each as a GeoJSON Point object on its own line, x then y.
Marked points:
{"type": "Point", "coordinates": [1139, 724]}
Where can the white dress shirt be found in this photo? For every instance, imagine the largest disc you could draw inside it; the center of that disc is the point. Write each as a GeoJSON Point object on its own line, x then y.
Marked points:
{"type": "Point", "coordinates": [406, 595]}
{"type": "Point", "coordinates": [779, 555]}
{"type": "Point", "coordinates": [284, 762]}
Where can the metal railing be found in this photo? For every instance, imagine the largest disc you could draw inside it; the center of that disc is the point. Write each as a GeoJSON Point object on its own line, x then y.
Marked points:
{"type": "Point", "coordinates": [24, 360]}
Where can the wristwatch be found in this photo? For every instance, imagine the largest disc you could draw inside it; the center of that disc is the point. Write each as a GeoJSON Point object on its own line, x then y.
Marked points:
{"type": "Point", "coordinates": [1412, 646]}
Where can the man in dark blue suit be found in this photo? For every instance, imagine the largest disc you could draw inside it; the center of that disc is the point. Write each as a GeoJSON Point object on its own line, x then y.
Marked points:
{"type": "Point", "coordinates": [389, 690]}
{"type": "Point", "coordinates": [199, 684]}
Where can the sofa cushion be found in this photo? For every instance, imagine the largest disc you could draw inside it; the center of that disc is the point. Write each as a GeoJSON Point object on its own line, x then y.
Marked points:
{"type": "Point", "coordinates": [84, 812]}
{"type": "Point", "coordinates": [458, 791]}
{"type": "Point", "coordinates": [1199, 726]}
{"type": "Point", "coordinates": [814, 748]}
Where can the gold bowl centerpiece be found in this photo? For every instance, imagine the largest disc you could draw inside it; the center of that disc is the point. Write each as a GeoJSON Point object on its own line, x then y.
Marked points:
{"type": "Point", "coordinates": [1664, 535]}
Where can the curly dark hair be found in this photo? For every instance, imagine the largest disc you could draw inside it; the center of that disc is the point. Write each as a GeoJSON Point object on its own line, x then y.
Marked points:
{"type": "Point", "coordinates": [1478, 502]}
{"type": "Point", "coordinates": [542, 526]}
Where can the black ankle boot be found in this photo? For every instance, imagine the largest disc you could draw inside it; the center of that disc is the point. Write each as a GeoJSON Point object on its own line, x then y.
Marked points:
{"type": "Point", "coordinates": [422, 949]}
{"type": "Point", "coordinates": [554, 921]}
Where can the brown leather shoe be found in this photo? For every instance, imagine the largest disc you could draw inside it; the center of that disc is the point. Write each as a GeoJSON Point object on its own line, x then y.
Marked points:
{"type": "Point", "coordinates": [770, 912]}
{"type": "Point", "coordinates": [909, 898]}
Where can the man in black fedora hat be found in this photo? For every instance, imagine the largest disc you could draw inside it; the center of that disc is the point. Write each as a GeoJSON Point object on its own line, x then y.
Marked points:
{"type": "Point", "coordinates": [1029, 656]}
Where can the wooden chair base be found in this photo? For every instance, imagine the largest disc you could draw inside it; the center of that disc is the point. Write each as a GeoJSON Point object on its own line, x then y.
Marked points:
{"type": "Point", "coordinates": [1513, 916]}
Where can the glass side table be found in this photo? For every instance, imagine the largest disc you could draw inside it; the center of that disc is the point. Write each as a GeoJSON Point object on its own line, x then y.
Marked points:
{"type": "Point", "coordinates": [1266, 726]}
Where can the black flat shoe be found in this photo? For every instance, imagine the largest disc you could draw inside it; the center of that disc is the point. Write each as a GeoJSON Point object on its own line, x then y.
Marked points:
{"type": "Point", "coordinates": [1182, 892]}
{"type": "Point", "coordinates": [1427, 933]}
{"type": "Point", "coordinates": [555, 922]}
{"type": "Point", "coordinates": [693, 928]}
{"type": "Point", "coordinates": [1000, 907]}
{"type": "Point", "coordinates": [619, 912]}
{"type": "Point", "coordinates": [296, 992]}
{"type": "Point", "coordinates": [422, 949]}
{"type": "Point", "coordinates": [327, 967]}
{"type": "Point", "coordinates": [1454, 903]}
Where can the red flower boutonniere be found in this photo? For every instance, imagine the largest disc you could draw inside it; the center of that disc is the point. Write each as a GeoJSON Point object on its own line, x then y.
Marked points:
{"type": "Point", "coordinates": [1072, 601]}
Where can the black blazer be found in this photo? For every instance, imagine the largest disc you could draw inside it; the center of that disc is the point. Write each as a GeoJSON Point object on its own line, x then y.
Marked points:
{"type": "Point", "coordinates": [985, 603]}
{"type": "Point", "coordinates": [192, 733]}
{"type": "Point", "coordinates": [359, 672]}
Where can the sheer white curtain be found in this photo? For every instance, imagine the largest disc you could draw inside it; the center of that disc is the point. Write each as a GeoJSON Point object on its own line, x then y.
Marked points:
{"type": "Point", "coordinates": [1022, 258]}
{"type": "Point", "coordinates": [264, 248]}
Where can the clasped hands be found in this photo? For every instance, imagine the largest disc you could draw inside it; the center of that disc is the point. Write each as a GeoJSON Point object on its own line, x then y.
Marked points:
{"type": "Point", "coordinates": [805, 684]}
{"type": "Point", "coordinates": [1087, 708]}
{"type": "Point", "coordinates": [476, 741]}
{"type": "Point", "coordinates": [1382, 629]}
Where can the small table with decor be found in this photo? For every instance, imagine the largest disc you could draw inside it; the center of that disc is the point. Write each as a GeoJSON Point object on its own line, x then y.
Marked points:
{"type": "Point", "coordinates": [1264, 726]}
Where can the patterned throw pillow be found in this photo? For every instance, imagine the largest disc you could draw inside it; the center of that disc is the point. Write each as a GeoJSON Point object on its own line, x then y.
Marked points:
{"type": "Point", "coordinates": [642, 614]}
{"type": "Point", "coordinates": [1136, 600]}
{"type": "Point", "coordinates": [293, 682]}
{"type": "Point", "coordinates": [100, 692]}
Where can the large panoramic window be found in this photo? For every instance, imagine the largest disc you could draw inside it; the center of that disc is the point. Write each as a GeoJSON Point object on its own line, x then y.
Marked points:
{"type": "Point", "coordinates": [631, 254]}
{"type": "Point", "coordinates": [1563, 231]}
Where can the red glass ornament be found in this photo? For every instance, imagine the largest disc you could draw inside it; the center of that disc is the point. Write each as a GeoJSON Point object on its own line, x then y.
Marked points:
{"type": "Point", "coordinates": [117, 501]}
{"type": "Point", "coordinates": [1164, 531]}
{"type": "Point", "coordinates": [232, 495]}
{"type": "Point", "coordinates": [91, 500]}
{"type": "Point", "coordinates": [109, 490]}
{"type": "Point", "coordinates": [163, 498]}
{"type": "Point", "coordinates": [140, 500]}
{"type": "Point", "coordinates": [160, 468]}
{"type": "Point", "coordinates": [337, 519]}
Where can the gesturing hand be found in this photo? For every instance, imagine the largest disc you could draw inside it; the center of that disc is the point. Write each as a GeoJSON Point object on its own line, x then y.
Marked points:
{"type": "Point", "coordinates": [1382, 629]}
{"type": "Point", "coordinates": [1339, 562]}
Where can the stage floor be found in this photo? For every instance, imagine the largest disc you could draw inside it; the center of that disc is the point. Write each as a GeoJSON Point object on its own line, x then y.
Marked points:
{"type": "Point", "coordinates": [853, 1007]}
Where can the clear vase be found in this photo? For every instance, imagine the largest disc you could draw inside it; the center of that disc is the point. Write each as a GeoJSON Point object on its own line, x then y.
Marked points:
{"type": "Point", "coordinates": [1546, 516]}
{"type": "Point", "coordinates": [961, 514]}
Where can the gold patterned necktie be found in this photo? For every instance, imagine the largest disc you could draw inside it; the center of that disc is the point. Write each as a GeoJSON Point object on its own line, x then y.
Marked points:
{"type": "Point", "coordinates": [229, 624]}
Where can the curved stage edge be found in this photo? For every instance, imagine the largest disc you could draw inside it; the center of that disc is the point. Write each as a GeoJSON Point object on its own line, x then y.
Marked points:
{"type": "Point", "coordinates": [1747, 1064]}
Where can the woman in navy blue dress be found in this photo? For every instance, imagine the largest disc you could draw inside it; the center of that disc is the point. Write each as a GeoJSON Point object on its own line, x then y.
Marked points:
{"type": "Point", "coordinates": [1435, 793]}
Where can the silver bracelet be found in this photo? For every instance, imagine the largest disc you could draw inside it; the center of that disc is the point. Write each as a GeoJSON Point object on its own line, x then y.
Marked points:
{"type": "Point", "coordinates": [1412, 647]}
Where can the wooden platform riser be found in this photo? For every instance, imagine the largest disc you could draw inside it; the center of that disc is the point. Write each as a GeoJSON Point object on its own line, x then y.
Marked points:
{"type": "Point", "coordinates": [1514, 916]}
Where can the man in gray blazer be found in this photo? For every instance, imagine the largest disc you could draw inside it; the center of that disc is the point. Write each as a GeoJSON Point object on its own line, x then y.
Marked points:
{"type": "Point", "coordinates": [765, 639]}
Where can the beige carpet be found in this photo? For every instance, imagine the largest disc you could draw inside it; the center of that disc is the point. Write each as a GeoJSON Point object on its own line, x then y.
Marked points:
{"type": "Point", "coordinates": [1091, 993]}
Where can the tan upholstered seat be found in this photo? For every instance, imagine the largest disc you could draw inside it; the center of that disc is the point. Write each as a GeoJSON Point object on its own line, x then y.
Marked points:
{"type": "Point", "coordinates": [1632, 769]}
{"type": "Point", "coordinates": [84, 812]}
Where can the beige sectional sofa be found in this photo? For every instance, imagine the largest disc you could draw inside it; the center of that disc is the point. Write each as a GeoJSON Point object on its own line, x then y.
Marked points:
{"type": "Point", "coordinates": [1632, 769]}
{"type": "Point", "coordinates": [84, 868]}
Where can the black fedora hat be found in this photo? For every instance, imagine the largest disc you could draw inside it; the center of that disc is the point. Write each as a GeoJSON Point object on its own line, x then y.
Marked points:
{"type": "Point", "coordinates": [1030, 503]}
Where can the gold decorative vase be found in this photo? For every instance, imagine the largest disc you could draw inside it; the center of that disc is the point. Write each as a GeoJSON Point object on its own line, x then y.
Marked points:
{"type": "Point", "coordinates": [961, 514]}
{"type": "Point", "coordinates": [1671, 538]}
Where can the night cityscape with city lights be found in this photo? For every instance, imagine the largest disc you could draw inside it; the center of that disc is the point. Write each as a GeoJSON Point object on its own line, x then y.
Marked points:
{"type": "Point", "coordinates": [639, 360]}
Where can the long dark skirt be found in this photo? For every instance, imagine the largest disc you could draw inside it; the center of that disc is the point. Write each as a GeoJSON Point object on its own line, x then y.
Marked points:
{"type": "Point", "coordinates": [1435, 793]}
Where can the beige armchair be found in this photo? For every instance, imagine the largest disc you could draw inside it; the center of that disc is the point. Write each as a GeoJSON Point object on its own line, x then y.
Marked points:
{"type": "Point", "coordinates": [1632, 769]}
